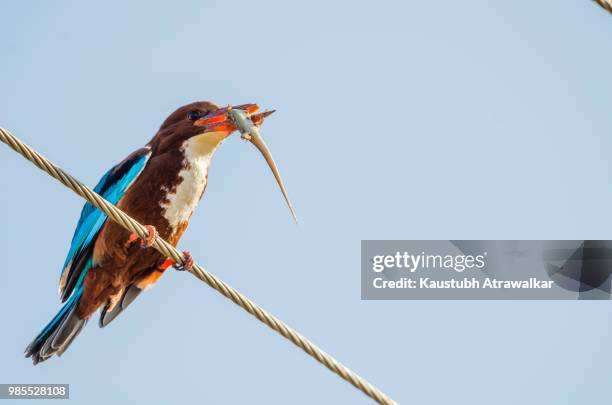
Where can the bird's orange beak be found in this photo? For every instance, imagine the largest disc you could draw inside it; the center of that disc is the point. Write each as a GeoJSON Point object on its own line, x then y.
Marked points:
{"type": "Point", "coordinates": [219, 120]}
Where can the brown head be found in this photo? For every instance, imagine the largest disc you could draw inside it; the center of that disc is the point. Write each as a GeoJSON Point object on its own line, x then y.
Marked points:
{"type": "Point", "coordinates": [195, 119]}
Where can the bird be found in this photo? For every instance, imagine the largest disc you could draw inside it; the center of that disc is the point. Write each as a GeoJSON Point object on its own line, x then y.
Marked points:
{"type": "Point", "coordinates": [159, 185]}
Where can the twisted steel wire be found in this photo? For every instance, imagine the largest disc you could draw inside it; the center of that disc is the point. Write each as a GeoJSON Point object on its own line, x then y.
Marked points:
{"type": "Point", "coordinates": [201, 273]}
{"type": "Point", "coordinates": [607, 4]}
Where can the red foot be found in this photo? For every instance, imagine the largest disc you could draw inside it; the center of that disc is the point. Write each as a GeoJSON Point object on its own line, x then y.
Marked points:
{"type": "Point", "coordinates": [152, 234]}
{"type": "Point", "coordinates": [147, 242]}
{"type": "Point", "coordinates": [133, 238]}
{"type": "Point", "coordinates": [167, 263]}
{"type": "Point", "coordinates": [188, 262]}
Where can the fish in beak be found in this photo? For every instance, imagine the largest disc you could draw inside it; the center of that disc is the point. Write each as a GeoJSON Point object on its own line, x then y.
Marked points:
{"type": "Point", "coordinates": [245, 119]}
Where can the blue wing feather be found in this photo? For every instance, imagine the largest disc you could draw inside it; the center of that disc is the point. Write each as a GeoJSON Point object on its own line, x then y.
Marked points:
{"type": "Point", "coordinates": [112, 187]}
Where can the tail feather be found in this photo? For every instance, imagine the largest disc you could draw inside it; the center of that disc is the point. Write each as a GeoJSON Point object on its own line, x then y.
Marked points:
{"type": "Point", "coordinates": [129, 295]}
{"type": "Point", "coordinates": [59, 333]}
{"type": "Point", "coordinates": [63, 345]}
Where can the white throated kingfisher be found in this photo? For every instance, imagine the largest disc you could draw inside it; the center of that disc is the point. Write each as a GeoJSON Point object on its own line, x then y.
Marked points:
{"type": "Point", "coordinates": [158, 185]}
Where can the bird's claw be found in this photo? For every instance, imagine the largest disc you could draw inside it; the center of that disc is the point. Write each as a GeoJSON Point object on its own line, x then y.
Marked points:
{"type": "Point", "coordinates": [152, 235]}
{"type": "Point", "coordinates": [187, 265]}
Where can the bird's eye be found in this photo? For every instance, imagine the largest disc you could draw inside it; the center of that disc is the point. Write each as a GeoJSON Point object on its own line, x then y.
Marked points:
{"type": "Point", "coordinates": [193, 115]}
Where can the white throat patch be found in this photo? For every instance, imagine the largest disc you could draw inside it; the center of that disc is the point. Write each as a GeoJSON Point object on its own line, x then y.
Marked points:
{"type": "Point", "coordinates": [181, 203]}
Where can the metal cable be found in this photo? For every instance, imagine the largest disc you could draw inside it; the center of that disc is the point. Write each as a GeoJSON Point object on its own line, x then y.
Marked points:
{"type": "Point", "coordinates": [607, 4]}
{"type": "Point", "coordinates": [169, 251]}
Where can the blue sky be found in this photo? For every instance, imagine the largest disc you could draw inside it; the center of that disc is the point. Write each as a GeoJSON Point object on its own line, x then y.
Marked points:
{"type": "Point", "coordinates": [396, 120]}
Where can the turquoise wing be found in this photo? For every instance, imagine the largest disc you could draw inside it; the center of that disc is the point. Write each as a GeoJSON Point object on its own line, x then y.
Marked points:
{"type": "Point", "coordinates": [112, 187]}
